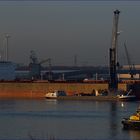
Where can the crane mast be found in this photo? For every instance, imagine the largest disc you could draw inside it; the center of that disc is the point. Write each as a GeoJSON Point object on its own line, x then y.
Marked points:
{"type": "Point", "coordinates": [131, 67]}
{"type": "Point", "coordinates": [35, 67]}
{"type": "Point", "coordinates": [50, 69]}
{"type": "Point", "coordinates": [113, 84]}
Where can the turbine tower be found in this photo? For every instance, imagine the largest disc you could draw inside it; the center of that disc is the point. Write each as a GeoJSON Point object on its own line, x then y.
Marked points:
{"type": "Point", "coordinates": [113, 84]}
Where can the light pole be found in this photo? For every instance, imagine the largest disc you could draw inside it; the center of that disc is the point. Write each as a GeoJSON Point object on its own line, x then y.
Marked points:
{"type": "Point", "coordinates": [7, 36]}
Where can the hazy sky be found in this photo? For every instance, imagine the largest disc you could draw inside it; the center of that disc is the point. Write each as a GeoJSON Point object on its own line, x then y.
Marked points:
{"type": "Point", "coordinates": [61, 30]}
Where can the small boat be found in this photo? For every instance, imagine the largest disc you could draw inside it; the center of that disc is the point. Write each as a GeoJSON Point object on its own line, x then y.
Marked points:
{"type": "Point", "coordinates": [55, 94]}
{"type": "Point", "coordinates": [133, 122]}
{"type": "Point", "coordinates": [127, 96]}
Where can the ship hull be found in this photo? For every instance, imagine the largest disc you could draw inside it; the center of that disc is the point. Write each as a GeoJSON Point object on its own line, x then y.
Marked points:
{"type": "Point", "coordinates": [128, 98]}
{"type": "Point", "coordinates": [131, 124]}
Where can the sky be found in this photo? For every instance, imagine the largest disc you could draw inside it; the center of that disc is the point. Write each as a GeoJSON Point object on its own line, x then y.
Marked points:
{"type": "Point", "coordinates": [61, 30]}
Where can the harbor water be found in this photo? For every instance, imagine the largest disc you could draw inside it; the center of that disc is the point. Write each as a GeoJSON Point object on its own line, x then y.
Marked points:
{"type": "Point", "coordinates": [65, 120]}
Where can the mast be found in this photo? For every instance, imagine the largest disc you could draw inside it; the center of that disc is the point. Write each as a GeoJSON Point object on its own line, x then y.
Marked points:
{"type": "Point", "coordinates": [113, 84]}
{"type": "Point", "coordinates": [7, 36]}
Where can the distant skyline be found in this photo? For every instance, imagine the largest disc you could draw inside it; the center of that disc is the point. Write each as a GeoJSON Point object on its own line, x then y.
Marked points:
{"type": "Point", "coordinates": [61, 30]}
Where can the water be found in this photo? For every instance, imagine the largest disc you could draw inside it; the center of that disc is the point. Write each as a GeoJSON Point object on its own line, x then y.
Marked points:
{"type": "Point", "coordinates": [72, 120]}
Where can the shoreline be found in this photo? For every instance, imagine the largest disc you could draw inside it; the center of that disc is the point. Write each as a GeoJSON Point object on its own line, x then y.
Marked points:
{"type": "Point", "coordinates": [87, 98]}
{"type": "Point", "coordinates": [109, 98]}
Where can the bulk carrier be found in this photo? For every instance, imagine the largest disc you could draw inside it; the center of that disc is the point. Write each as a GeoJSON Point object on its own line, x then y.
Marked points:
{"type": "Point", "coordinates": [15, 84]}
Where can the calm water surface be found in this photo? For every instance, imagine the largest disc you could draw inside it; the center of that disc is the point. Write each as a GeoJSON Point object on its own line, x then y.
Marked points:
{"type": "Point", "coordinates": [71, 120]}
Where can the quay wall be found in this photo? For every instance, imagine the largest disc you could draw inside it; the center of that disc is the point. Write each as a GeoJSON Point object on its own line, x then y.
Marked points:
{"type": "Point", "coordinates": [39, 89]}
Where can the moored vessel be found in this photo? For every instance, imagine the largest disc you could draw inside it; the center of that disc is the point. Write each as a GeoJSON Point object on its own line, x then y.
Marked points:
{"type": "Point", "coordinates": [55, 94]}
{"type": "Point", "coordinates": [127, 96]}
{"type": "Point", "coordinates": [133, 122]}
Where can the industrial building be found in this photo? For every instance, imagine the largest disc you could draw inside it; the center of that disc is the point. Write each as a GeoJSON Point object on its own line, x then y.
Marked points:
{"type": "Point", "coordinates": [7, 70]}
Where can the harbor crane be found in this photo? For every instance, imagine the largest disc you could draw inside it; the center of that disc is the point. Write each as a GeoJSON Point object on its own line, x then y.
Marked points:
{"type": "Point", "coordinates": [35, 67]}
{"type": "Point", "coordinates": [131, 66]}
{"type": "Point", "coordinates": [50, 67]}
{"type": "Point", "coordinates": [113, 83]}
{"type": "Point", "coordinates": [33, 57]}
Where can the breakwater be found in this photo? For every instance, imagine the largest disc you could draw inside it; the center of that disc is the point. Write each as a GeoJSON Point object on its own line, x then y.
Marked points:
{"type": "Point", "coordinates": [39, 89]}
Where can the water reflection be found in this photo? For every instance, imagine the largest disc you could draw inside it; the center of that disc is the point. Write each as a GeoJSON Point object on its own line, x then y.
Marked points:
{"type": "Point", "coordinates": [52, 101]}
{"type": "Point", "coordinates": [113, 120]}
{"type": "Point", "coordinates": [134, 134]}
{"type": "Point", "coordinates": [65, 119]}
{"type": "Point", "coordinates": [122, 104]}
{"type": "Point", "coordinates": [7, 104]}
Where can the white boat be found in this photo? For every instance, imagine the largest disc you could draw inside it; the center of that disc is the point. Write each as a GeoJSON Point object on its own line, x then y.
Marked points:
{"type": "Point", "coordinates": [55, 94]}
{"type": "Point", "coordinates": [128, 96]}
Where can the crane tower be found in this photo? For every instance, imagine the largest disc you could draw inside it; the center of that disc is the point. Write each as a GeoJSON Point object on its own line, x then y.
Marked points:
{"type": "Point", "coordinates": [113, 84]}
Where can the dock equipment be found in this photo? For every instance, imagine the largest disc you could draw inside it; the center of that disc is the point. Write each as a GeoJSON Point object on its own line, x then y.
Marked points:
{"type": "Point", "coordinates": [113, 83]}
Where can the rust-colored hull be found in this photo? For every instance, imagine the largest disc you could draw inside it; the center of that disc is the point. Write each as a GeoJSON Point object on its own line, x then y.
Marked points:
{"type": "Point", "coordinates": [39, 89]}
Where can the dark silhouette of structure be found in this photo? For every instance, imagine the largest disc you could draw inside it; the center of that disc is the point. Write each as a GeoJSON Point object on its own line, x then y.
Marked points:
{"type": "Point", "coordinates": [113, 83]}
